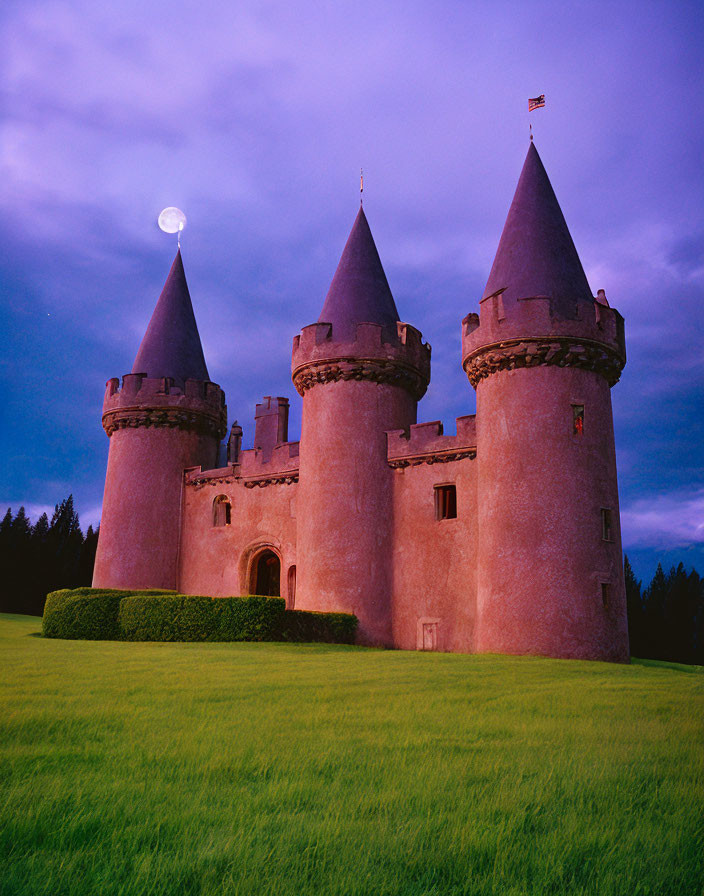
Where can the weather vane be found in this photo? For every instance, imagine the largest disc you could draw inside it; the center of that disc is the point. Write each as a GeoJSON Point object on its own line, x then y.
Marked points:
{"type": "Point", "coordinates": [172, 220]}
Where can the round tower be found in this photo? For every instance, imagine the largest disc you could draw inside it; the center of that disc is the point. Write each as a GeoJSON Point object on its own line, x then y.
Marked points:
{"type": "Point", "coordinates": [543, 355]}
{"type": "Point", "coordinates": [166, 416]}
{"type": "Point", "coordinates": [360, 372]}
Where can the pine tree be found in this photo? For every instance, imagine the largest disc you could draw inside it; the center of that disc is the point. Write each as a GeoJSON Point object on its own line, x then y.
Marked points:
{"type": "Point", "coordinates": [87, 559]}
{"type": "Point", "coordinates": [655, 599]}
{"type": "Point", "coordinates": [634, 604]}
{"type": "Point", "coordinates": [66, 541]}
{"type": "Point", "coordinates": [6, 562]}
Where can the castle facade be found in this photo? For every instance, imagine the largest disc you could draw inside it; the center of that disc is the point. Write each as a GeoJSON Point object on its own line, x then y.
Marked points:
{"type": "Point", "coordinates": [502, 538]}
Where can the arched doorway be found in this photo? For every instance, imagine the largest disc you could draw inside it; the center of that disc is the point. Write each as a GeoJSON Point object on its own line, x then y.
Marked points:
{"type": "Point", "coordinates": [267, 574]}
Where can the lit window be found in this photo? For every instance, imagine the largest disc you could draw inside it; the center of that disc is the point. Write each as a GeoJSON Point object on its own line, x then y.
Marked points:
{"type": "Point", "coordinates": [606, 528]}
{"type": "Point", "coordinates": [221, 511]}
{"type": "Point", "coordinates": [445, 502]}
{"type": "Point", "coordinates": [578, 419]}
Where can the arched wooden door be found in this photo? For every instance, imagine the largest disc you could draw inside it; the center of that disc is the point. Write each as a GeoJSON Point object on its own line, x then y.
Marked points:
{"type": "Point", "coordinates": [267, 574]}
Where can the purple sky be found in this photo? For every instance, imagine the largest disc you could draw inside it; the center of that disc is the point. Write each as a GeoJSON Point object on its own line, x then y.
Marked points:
{"type": "Point", "coordinates": [255, 119]}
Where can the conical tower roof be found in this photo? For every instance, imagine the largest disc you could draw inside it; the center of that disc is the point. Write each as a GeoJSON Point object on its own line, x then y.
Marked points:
{"type": "Point", "coordinates": [359, 292]}
{"type": "Point", "coordinates": [171, 345]}
{"type": "Point", "coordinates": [536, 255]}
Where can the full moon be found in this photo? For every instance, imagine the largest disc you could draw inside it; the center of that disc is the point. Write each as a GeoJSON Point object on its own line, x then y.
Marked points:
{"type": "Point", "coordinates": [172, 220]}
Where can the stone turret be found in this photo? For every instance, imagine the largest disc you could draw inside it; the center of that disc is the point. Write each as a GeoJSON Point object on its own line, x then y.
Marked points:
{"type": "Point", "coordinates": [361, 372]}
{"type": "Point", "coordinates": [543, 355]}
{"type": "Point", "coordinates": [166, 416]}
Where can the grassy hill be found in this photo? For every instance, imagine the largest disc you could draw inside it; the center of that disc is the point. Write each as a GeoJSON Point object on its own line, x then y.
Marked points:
{"type": "Point", "coordinates": [295, 769]}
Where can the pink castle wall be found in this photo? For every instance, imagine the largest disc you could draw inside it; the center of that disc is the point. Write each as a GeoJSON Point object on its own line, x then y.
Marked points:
{"type": "Point", "coordinates": [541, 557]}
{"type": "Point", "coordinates": [352, 507]}
{"type": "Point", "coordinates": [346, 533]}
{"type": "Point", "coordinates": [141, 522]}
{"type": "Point", "coordinates": [151, 442]}
{"type": "Point", "coordinates": [218, 560]}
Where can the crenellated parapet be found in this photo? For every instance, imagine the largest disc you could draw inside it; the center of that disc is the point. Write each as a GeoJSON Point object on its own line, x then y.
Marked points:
{"type": "Point", "coordinates": [159, 402]}
{"type": "Point", "coordinates": [426, 443]}
{"type": "Point", "coordinates": [528, 333]}
{"type": "Point", "coordinates": [254, 469]}
{"type": "Point", "coordinates": [319, 358]}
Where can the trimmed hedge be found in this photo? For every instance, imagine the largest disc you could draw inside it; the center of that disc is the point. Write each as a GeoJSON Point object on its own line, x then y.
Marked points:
{"type": "Point", "coordinates": [306, 625]}
{"type": "Point", "coordinates": [87, 614]}
{"type": "Point", "coordinates": [115, 614]}
{"type": "Point", "coordinates": [182, 617]}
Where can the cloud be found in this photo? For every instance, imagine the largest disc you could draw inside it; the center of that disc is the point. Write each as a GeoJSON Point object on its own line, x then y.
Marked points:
{"type": "Point", "coordinates": [664, 521]}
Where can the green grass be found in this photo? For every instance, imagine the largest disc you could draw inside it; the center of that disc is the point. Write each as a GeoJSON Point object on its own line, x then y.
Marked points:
{"type": "Point", "coordinates": [295, 769]}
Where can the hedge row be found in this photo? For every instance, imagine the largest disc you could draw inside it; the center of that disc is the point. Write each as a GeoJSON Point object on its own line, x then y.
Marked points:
{"type": "Point", "coordinates": [85, 613]}
{"type": "Point", "coordinates": [177, 617]}
{"type": "Point", "coordinates": [114, 615]}
{"type": "Point", "coordinates": [334, 628]}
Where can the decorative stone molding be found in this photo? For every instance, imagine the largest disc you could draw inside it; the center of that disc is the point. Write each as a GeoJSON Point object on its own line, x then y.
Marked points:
{"type": "Point", "coordinates": [535, 351]}
{"type": "Point", "coordinates": [278, 479]}
{"type": "Point", "coordinates": [201, 481]}
{"type": "Point", "coordinates": [197, 481]}
{"type": "Point", "coordinates": [171, 417]}
{"type": "Point", "coordinates": [376, 370]}
{"type": "Point", "coordinates": [444, 457]}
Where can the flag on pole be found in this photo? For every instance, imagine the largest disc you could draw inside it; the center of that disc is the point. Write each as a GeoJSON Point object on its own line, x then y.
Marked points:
{"type": "Point", "coordinates": [536, 103]}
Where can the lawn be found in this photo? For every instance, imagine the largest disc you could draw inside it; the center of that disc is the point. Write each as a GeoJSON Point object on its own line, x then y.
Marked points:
{"type": "Point", "coordinates": [315, 769]}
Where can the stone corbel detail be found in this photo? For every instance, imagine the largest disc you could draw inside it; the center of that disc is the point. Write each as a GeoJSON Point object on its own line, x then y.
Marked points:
{"type": "Point", "coordinates": [171, 417]}
{"type": "Point", "coordinates": [279, 479]}
{"type": "Point", "coordinates": [399, 463]}
{"type": "Point", "coordinates": [376, 370]}
{"type": "Point", "coordinates": [558, 351]}
{"type": "Point", "coordinates": [202, 482]}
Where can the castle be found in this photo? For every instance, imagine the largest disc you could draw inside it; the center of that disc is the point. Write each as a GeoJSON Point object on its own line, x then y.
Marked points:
{"type": "Point", "coordinates": [502, 538]}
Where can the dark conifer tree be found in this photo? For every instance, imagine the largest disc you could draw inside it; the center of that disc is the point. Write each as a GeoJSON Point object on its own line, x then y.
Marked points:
{"type": "Point", "coordinates": [87, 558]}
{"type": "Point", "coordinates": [66, 541]}
{"type": "Point", "coordinates": [35, 560]}
{"type": "Point", "coordinates": [634, 604]}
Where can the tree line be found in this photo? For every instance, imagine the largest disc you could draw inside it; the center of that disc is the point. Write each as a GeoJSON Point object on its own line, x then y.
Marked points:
{"type": "Point", "coordinates": [36, 559]}
{"type": "Point", "coordinates": [665, 619]}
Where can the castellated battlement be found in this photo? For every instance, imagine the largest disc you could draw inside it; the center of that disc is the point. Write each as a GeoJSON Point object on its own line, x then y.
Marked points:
{"type": "Point", "coordinates": [319, 358]}
{"type": "Point", "coordinates": [528, 333]}
{"type": "Point", "coordinates": [161, 401]}
{"type": "Point", "coordinates": [426, 443]}
{"type": "Point", "coordinates": [254, 469]}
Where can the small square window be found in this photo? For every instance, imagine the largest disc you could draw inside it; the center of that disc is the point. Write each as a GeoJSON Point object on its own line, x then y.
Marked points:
{"type": "Point", "coordinates": [578, 419]}
{"type": "Point", "coordinates": [445, 502]}
{"type": "Point", "coordinates": [606, 527]}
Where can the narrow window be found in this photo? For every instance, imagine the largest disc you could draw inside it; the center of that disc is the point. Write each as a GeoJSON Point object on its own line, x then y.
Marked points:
{"type": "Point", "coordinates": [605, 595]}
{"type": "Point", "coordinates": [221, 511]}
{"type": "Point", "coordinates": [445, 502]}
{"type": "Point", "coordinates": [606, 529]}
{"type": "Point", "coordinates": [291, 588]}
{"type": "Point", "coordinates": [578, 419]}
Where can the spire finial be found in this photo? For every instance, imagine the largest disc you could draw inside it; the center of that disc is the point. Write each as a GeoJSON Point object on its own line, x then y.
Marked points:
{"type": "Point", "coordinates": [361, 186]}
